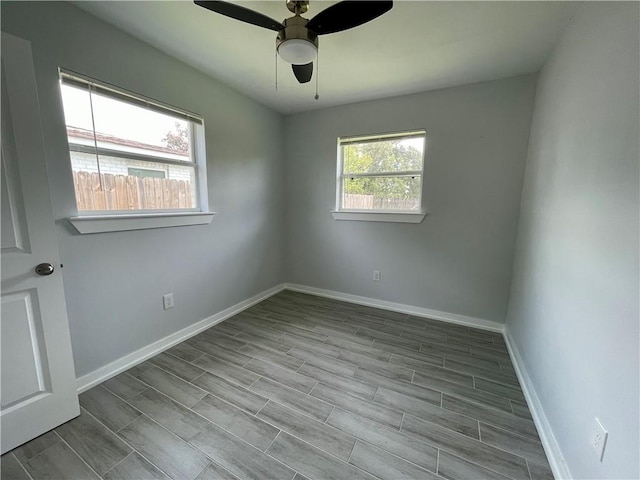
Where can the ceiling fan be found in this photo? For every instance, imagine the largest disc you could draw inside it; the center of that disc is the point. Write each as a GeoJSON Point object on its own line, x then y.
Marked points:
{"type": "Point", "coordinates": [297, 39]}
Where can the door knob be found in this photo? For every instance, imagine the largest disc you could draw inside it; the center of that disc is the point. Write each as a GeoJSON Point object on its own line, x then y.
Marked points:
{"type": "Point", "coordinates": [44, 269]}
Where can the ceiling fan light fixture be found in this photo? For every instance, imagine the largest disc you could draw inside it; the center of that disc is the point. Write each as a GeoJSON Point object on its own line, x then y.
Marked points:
{"type": "Point", "coordinates": [297, 51]}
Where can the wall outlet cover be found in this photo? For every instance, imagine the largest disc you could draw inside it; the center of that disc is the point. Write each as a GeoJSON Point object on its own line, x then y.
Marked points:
{"type": "Point", "coordinates": [599, 440]}
{"type": "Point", "coordinates": [167, 301]}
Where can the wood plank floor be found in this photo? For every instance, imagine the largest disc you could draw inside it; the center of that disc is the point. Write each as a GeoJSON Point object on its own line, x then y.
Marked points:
{"type": "Point", "coordinates": [303, 387]}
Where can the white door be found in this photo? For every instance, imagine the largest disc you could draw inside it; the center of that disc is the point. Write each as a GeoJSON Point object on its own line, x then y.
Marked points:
{"type": "Point", "coordinates": [38, 387]}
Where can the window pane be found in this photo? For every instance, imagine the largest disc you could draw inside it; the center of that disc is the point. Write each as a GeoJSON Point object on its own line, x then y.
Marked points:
{"type": "Point", "coordinates": [122, 126]}
{"type": "Point", "coordinates": [394, 155]}
{"type": "Point", "coordinates": [381, 193]}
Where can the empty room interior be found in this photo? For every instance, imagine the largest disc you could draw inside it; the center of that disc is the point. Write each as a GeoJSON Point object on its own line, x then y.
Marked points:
{"type": "Point", "coordinates": [320, 240]}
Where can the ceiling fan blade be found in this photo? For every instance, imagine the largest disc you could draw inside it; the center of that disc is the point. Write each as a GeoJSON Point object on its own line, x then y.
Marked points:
{"type": "Point", "coordinates": [303, 72]}
{"type": "Point", "coordinates": [241, 13]}
{"type": "Point", "coordinates": [347, 14]}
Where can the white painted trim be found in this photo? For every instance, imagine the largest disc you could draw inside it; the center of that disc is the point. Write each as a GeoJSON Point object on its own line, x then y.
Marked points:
{"type": "Point", "coordinates": [124, 363]}
{"type": "Point", "coordinates": [550, 444]}
{"type": "Point", "coordinates": [119, 223]}
{"type": "Point", "coordinates": [399, 307]}
{"type": "Point", "coordinates": [379, 216]}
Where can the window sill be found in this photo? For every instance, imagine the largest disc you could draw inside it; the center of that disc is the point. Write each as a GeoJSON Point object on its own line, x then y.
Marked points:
{"type": "Point", "coordinates": [380, 216]}
{"type": "Point", "coordinates": [120, 223]}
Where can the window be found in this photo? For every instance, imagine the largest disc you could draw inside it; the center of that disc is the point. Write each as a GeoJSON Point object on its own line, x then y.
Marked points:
{"type": "Point", "coordinates": [381, 174]}
{"type": "Point", "coordinates": [129, 154]}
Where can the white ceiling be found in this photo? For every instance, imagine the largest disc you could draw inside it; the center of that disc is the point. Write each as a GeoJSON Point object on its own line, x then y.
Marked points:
{"type": "Point", "coordinates": [417, 46]}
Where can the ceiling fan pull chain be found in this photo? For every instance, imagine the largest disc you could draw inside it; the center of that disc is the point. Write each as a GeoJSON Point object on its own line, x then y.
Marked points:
{"type": "Point", "coordinates": [276, 57]}
{"type": "Point", "coordinates": [317, 73]}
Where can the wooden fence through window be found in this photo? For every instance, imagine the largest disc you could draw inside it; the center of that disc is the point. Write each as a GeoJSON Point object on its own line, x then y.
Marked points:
{"type": "Point", "coordinates": [125, 192]}
{"type": "Point", "coordinates": [371, 202]}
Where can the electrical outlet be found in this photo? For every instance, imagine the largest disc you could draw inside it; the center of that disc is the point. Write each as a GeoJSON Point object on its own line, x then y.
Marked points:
{"type": "Point", "coordinates": [376, 275]}
{"type": "Point", "coordinates": [599, 440]}
{"type": "Point", "coordinates": [167, 301]}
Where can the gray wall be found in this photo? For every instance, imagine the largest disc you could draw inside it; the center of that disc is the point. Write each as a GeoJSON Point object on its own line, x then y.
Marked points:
{"type": "Point", "coordinates": [114, 281]}
{"type": "Point", "coordinates": [459, 259]}
{"type": "Point", "coordinates": [574, 304]}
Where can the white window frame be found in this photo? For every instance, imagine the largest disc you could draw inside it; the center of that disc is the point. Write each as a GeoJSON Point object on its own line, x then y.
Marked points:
{"type": "Point", "coordinates": [397, 216]}
{"type": "Point", "coordinates": [121, 220]}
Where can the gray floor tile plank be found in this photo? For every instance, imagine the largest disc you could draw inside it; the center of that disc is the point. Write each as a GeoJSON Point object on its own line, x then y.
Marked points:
{"type": "Point", "coordinates": [510, 392]}
{"type": "Point", "coordinates": [310, 345]}
{"type": "Point", "coordinates": [354, 387]}
{"type": "Point", "coordinates": [514, 443]}
{"type": "Point", "coordinates": [299, 476]}
{"type": "Point", "coordinates": [410, 321]}
{"type": "Point", "coordinates": [521, 410]}
{"type": "Point", "coordinates": [465, 359]}
{"type": "Point", "coordinates": [404, 342]}
{"type": "Point", "coordinates": [10, 468]}
{"type": "Point", "coordinates": [481, 372]}
{"type": "Point", "coordinates": [226, 370]}
{"type": "Point", "coordinates": [333, 321]}
{"type": "Point", "coordinates": [492, 416]}
{"type": "Point", "coordinates": [168, 413]}
{"type": "Point", "coordinates": [380, 367]}
{"type": "Point", "coordinates": [264, 342]}
{"type": "Point", "coordinates": [398, 443]}
{"type": "Point", "coordinates": [312, 462]}
{"type": "Point", "coordinates": [427, 411]}
{"type": "Point", "coordinates": [99, 447]}
{"type": "Point", "coordinates": [176, 366]}
{"type": "Point", "coordinates": [239, 457]}
{"type": "Point", "coordinates": [301, 332]}
{"type": "Point", "coordinates": [216, 472]}
{"type": "Point", "coordinates": [36, 446]}
{"type": "Point", "coordinates": [491, 355]}
{"type": "Point", "coordinates": [167, 451]}
{"type": "Point", "coordinates": [466, 393]}
{"type": "Point", "coordinates": [427, 394]}
{"type": "Point", "coordinates": [294, 399]}
{"type": "Point", "coordinates": [59, 462]}
{"type": "Point", "coordinates": [472, 450]}
{"type": "Point", "coordinates": [227, 328]}
{"type": "Point", "coordinates": [456, 468]}
{"type": "Point", "coordinates": [540, 471]}
{"type": "Point", "coordinates": [422, 332]}
{"type": "Point", "coordinates": [330, 364]}
{"type": "Point", "coordinates": [111, 410]}
{"type": "Point", "coordinates": [339, 398]}
{"type": "Point", "coordinates": [172, 386]}
{"type": "Point", "coordinates": [416, 362]}
{"type": "Point", "coordinates": [435, 359]}
{"type": "Point", "coordinates": [281, 375]}
{"type": "Point", "coordinates": [263, 331]}
{"type": "Point", "coordinates": [433, 370]}
{"type": "Point", "coordinates": [268, 355]}
{"type": "Point", "coordinates": [221, 339]}
{"type": "Point", "coordinates": [125, 385]}
{"type": "Point", "coordinates": [311, 431]}
{"type": "Point", "coordinates": [242, 424]}
{"type": "Point", "coordinates": [184, 351]}
{"type": "Point", "coordinates": [232, 393]}
{"type": "Point", "coordinates": [382, 464]}
{"type": "Point", "coordinates": [430, 343]}
{"type": "Point", "coordinates": [134, 467]}
{"type": "Point", "coordinates": [232, 356]}
{"type": "Point", "coordinates": [348, 345]}
{"type": "Point", "coordinates": [331, 331]}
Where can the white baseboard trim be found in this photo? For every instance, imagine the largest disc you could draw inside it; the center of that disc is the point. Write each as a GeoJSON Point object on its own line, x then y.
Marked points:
{"type": "Point", "coordinates": [550, 444]}
{"type": "Point", "coordinates": [124, 363]}
{"type": "Point", "coordinates": [399, 307]}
